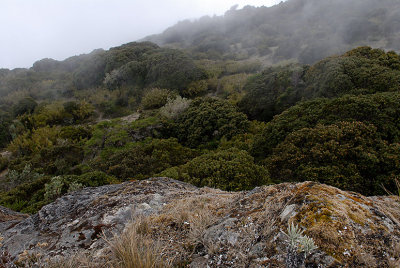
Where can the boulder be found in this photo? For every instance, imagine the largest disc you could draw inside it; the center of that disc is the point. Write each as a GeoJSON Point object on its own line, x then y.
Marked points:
{"type": "Point", "coordinates": [204, 227]}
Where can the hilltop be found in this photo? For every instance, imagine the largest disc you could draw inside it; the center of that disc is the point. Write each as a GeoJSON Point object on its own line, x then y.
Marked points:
{"type": "Point", "coordinates": [299, 30]}
{"type": "Point", "coordinates": [177, 224]}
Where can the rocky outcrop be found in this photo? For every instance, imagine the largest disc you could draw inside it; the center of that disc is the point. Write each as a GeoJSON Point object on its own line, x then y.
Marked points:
{"type": "Point", "coordinates": [200, 227]}
{"type": "Point", "coordinates": [9, 218]}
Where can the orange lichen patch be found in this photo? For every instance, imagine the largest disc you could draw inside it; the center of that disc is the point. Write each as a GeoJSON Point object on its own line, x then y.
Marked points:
{"type": "Point", "coordinates": [334, 218]}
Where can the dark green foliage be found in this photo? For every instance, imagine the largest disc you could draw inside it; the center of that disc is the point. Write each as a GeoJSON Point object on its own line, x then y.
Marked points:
{"type": "Point", "coordinates": [143, 160]}
{"type": "Point", "coordinates": [155, 98]}
{"type": "Point", "coordinates": [348, 155]}
{"type": "Point", "coordinates": [3, 163]}
{"type": "Point", "coordinates": [28, 197]}
{"type": "Point", "coordinates": [362, 70]}
{"type": "Point", "coordinates": [5, 122]}
{"type": "Point", "coordinates": [91, 71]}
{"type": "Point", "coordinates": [209, 119]}
{"type": "Point", "coordinates": [119, 56]}
{"type": "Point", "coordinates": [75, 133]}
{"type": "Point", "coordinates": [25, 105]}
{"type": "Point", "coordinates": [31, 196]}
{"type": "Point", "coordinates": [145, 64]}
{"type": "Point", "coordinates": [171, 69]}
{"type": "Point", "coordinates": [94, 179]}
{"type": "Point", "coordinates": [231, 170]}
{"type": "Point", "coordinates": [273, 91]}
{"type": "Point", "coordinates": [359, 71]}
{"type": "Point", "coordinates": [382, 110]}
{"type": "Point", "coordinates": [59, 159]}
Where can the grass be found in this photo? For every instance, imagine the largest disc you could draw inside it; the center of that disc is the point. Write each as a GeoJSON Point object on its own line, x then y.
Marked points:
{"type": "Point", "coordinates": [135, 248]}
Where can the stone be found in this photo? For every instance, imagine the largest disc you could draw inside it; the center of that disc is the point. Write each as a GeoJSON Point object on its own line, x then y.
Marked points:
{"type": "Point", "coordinates": [204, 227]}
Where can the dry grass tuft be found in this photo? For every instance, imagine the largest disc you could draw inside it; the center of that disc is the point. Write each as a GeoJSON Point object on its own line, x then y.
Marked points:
{"type": "Point", "coordinates": [134, 248]}
{"type": "Point", "coordinates": [80, 261]}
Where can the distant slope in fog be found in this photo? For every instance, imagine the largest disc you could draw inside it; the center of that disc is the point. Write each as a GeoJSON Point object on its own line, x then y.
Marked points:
{"type": "Point", "coordinates": [304, 30]}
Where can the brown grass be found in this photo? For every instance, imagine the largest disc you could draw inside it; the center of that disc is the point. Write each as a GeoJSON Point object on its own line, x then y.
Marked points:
{"type": "Point", "coordinates": [134, 248]}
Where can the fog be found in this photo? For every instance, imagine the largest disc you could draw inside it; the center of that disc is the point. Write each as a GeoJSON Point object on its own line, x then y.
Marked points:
{"type": "Point", "coordinates": [32, 30]}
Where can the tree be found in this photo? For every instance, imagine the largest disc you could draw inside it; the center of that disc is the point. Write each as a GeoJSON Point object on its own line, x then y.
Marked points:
{"type": "Point", "coordinates": [209, 119]}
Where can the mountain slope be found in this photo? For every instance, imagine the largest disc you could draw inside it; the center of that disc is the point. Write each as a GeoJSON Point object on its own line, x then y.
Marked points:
{"type": "Point", "coordinates": [304, 30]}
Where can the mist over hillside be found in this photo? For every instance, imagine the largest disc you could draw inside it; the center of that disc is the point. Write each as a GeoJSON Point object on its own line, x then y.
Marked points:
{"type": "Point", "coordinates": [303, 30]}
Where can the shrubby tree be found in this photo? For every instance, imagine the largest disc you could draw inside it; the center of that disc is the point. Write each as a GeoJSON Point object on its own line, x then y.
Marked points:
{"type": "Point", "coordinates": [174, 107]}
{"type": "Point", "coordinates": [155, 98]}
{"type": "Point", "coordinates": [377, 109]}
{"type": "Point", "coordinates": [5, 122]}
{"type": "Point", "coordinates": [143, 160]}
{"type": "Point", "coordinates": [25, 105]}
{"type": "Point", "coordinates": [230, 170]}
{"type": "Point", "coordinates": [360, 71]}
{"type": "Point", "coordinates": [348, 155]}
{"type": "Point", "coordinates": [273, 91]}
{"type": "Point", "coordinates": [91, 71]}
{"type": "Point", "coordinates": [209, 119]}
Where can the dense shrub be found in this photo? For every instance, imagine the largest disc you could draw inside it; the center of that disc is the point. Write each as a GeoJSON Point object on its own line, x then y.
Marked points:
{"type": "Point", "coordinates": [27, 197]}
{"type": "Point", "coordinates": [35, 141]}
{"type": "Point", "coordinates": [5, 122]}
{"type": "Point", "coordinates": [209, 119]}
{"type": "Point", "coordinates": [25, 105]}
{"type": "Point", "coordinates": [141, 160]}
{"type": "Point", "coordinates": [272, 91]}
{"type": "Point", "coordinates": [378, 109]}
{"type": "Point", "coordinates": [348, 155]}
{"type": "Point", "coordinates": [3, 163]}
{"type": "Point", "coordinates": [230, 170]}
{"type": "Point", "coordinates": [26, 175]}
{"type": "Point", "coordinates": [155, 98]}
{"type": "Point", "coordinates": [195, 89]}
{"type": "Point", "coordinates": [360, 71]}
{"type": "Point", "coordinates": [174, 107]}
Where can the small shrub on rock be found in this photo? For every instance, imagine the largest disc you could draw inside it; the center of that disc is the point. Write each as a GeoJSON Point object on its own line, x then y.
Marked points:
{"type": "Point", "coordinates": [231, 170]}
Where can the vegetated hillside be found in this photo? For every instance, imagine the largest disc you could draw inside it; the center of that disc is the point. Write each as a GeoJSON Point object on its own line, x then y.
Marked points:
{"type": "Point", "coordinates": [138, 111]}
{"type": "Point", "coordinates": [161, 222]}
{"type": "Point", "coordinates": [303, 30]}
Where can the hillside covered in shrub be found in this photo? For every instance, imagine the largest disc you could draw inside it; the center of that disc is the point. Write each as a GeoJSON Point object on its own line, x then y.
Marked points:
{"type": "Point", "coordinates": [301, 30]}
{"type": "Point", "coordinates": [222, 125]}
{"type": "Point", "coordinates": [195, 110]}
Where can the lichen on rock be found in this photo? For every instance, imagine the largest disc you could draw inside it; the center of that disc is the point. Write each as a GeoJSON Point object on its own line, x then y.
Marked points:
{"type": "Point", "coordinates": [199, 227]}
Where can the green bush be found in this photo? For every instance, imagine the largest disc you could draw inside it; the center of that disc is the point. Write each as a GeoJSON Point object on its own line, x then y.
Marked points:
{"type": "Point", "coordinates": [174, 107]}
{"type": "Point", "coordinates": [377, 109]}
{"type": "Point", "coordinates": [155, 98]}
{"type": "Point", "coordinates": [60, 185]}
{"type": "Point", "coordinates": [208, 120]}
{"type": "Point", "coordinates": [5, 135]}
{"type": "Point", "coordinates": [143, 160]}
{"type": "Point", "coordinates": [273, 91]}
{"type": "Point", "coordinates": [230, 170]}
{"type": "Point", "coordinates": [27, 175]}
{"type": "Point", "coordinates": [360, 71]}
{"type": "Point", "coordinates": [348, 155]}
{"type": "Point", "coordinates": [3, 163]}
{"type": "Point", "coordinates": [27, 197]}
{"type": "Point", "coordinates": [94, 179]}
{"type": "Point", "coordinates": [25, 105]}
{"type": "Point", "coordinates": [195, 89]}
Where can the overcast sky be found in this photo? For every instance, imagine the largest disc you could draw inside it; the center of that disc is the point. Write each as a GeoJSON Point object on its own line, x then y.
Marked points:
{"type": "Point", "coordinates": [34, 29]}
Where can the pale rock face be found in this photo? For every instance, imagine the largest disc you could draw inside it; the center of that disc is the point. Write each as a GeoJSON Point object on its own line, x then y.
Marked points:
{"type": "Point", "coordinates": [210, 228]}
